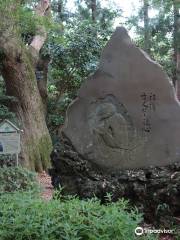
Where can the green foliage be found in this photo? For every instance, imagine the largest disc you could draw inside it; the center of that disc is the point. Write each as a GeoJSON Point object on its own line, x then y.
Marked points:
{"type": "Point", "coordinates": [23, 216]}
{"type": "Point", "coordinates": [55, 119]}
{"type": "Point", "coordinates": [17, 179]}
{"type": "Point", "coordinates": [104, 16]}
{"type": "Point", "coordinates": [25, 22]}
{"type": "Point", "coordinates": [4, 100]}
{"type": "Point", "coordinates": [76, 54]}
{"type": "Point", "coordinates": [56, 108]}
{"type": "Point", "coordinates": [160, 29]}
{"type": "Point", "coordinates": [5, 113]}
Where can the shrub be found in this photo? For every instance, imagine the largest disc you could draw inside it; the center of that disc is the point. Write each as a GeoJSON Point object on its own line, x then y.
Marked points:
{"type": "Point", "coordinates": [17, 179]}
{"type": "Point", "coordinates": [23, 216]}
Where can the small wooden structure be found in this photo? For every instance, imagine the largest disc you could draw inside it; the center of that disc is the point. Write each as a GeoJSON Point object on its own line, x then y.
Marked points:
{"type": "Point", "coordinates": [9, 139]}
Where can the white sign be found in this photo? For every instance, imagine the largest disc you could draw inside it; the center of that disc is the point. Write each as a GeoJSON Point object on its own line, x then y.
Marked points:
{"type": "Point", "coordinates": [9, 143]}
{"type": "Point", "coordinates": [9, 138]}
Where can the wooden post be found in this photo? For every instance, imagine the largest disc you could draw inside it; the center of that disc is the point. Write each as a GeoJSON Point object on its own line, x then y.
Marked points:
{"type": "Point", "coordinates": [17, 160]}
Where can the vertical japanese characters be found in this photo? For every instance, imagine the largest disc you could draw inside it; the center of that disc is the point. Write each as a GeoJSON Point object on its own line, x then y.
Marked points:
{"type": "Point", "coordinates": [148, 107]}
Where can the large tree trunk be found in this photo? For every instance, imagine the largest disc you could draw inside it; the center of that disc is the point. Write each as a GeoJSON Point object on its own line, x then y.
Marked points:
{"type": "Point", "coordinates": [18, 70]}
{"type": "Point", "coordinates": [176, 77]}
{"type": "Point", "coordinates": [146, 27]}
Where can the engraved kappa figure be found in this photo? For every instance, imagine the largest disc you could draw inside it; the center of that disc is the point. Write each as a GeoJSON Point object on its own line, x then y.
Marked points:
{"type": "Point", "coordinates": [112, 133]}
{"type": "Point", "coordinates": [109, 122]}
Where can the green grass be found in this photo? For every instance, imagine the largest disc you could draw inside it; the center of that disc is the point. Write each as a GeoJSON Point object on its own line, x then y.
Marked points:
{"type": "Point", "coordinates": [25, 216]}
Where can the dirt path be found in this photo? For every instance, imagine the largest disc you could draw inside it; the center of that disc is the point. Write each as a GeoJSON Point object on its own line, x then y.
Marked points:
{"type": "Point", "coordinates": [45, 182]}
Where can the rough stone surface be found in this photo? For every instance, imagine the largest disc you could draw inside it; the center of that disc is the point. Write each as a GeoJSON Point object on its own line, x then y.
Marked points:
{"type": "Point", "coordinates": [122, 134]}
{"type": "Point", "coordinates": [126, 114]}
{"type": "Point", "coordinates": [155, 190]}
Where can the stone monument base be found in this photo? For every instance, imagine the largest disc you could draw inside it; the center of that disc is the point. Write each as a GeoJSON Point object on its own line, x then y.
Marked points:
{"type": "Point", "coordinates": [154, 190]}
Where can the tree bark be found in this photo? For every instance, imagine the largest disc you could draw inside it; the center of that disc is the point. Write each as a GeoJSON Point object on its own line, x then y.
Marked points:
{"type": "Point", "coordinates": [42, 78]}
{"type": "Point", "coordinates": [176, 78]}
{"type": "Point", "coordinates": [60, 10]}
{"type": "Point", "coordinates": [146, 27]}
{"type": "Point", "coordinates": [93, 9]}
{"type": "Point", "coordinates": [18, 70]}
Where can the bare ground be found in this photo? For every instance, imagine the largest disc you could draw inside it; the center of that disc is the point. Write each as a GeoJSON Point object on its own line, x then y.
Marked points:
{"type": "Point", "coordinates": [45, 182]}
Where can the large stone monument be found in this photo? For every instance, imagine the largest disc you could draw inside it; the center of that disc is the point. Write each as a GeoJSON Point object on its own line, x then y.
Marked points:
{"type": "Point", "coordinates": [123, 130]}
